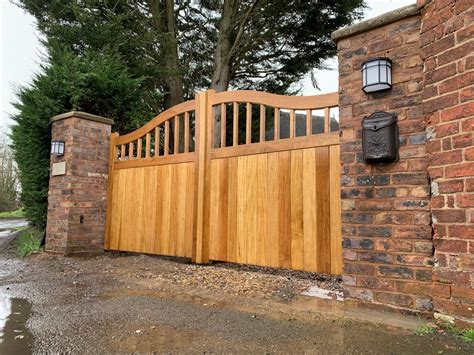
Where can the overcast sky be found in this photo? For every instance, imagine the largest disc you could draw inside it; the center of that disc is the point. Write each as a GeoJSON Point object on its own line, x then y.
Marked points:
{"type": "Point", "coordinates": [21, 53]}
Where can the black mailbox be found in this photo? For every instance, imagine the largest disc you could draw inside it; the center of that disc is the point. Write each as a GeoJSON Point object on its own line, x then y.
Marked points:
{"type": "Point", "coordinates": [380, 138]}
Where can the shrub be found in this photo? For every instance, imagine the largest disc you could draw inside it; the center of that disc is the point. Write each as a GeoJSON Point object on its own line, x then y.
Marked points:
{"type": "Point", "coordinates": [29, 241]}
{"type": "Point", "coordinates": [97, 83]}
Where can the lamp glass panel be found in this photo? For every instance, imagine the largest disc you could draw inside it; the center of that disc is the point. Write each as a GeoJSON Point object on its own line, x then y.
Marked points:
{"type": "Point", "coordinates": [372, 74]}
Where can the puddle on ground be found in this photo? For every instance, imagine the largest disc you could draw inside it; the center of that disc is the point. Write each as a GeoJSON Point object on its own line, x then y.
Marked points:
{"type": "Point", "coordinates": [15, 338]}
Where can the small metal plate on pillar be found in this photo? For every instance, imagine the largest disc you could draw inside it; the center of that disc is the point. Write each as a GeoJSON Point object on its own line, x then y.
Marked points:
{"type": "Point", "coordinates": [380, 138]}
{"type": "Point", "coordinates": [58, 169]}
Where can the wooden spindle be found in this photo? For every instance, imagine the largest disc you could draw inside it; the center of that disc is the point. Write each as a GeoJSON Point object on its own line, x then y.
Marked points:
{"type": "Point", "coordinates": [186, 132]}
{"type": "Point", "coordinates": [122, 152]}
{"type": "Point", "coordinates": [147, 145]}
{"type": "Point", "coordinates": [309, 123]}
{"type": "Point", "coordinates": [262, 123]}
{"type": "Point", "coordinates": [176, 135]}
{"type": "Point", "coordinates": [130, 151]}
{"type": "Point", "coordinates": [248, 125]}
{"type": "Point", "coordinates": [292, 123]}
{"type": "Point", "coordinates": [139, 148]}
{"type": "Point", "coordinates": [157, 141]}
{"type": "Point", "coordinates": [235, 132]}
{"type": "Point", "coordinates": [167, 137]}
{"type": "Point", "coordinates": [277, 123]}
{"type": "Point", "coordinates": [326, 120]}
{"type": "Point", "coordinates": [223, 125]}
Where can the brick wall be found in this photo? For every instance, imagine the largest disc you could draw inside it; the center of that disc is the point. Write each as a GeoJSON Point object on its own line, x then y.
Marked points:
{"type": "Point", "coordinates": [77, 200]}
{"type": "Point", "coordinates": [387, 235]}
{"type": "Point", "coordinates": [447, 48]}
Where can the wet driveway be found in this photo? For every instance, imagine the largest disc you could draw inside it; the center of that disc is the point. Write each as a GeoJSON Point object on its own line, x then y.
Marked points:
{"type": "Point", "coordinates": [130, 303]}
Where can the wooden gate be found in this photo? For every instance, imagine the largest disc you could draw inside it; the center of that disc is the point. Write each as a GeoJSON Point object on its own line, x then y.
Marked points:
{"type": "Point", "coordinates": [237, 176]}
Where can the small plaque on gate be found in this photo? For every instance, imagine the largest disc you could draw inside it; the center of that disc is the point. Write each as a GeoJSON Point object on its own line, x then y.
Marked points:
{"type": "Point", "coordinates": [59, 169]}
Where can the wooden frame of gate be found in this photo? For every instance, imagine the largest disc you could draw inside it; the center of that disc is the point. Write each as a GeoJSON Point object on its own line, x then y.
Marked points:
{"type": "Point", "coordinates": [187, 184]}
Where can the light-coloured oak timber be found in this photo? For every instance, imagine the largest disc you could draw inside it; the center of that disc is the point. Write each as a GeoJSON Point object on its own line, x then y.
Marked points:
{"type": "Point", "coordinates": [309, 123]}
{"type": "Point", "coordinates": [248, 124]}
{"type": "Point", "coordinates": [262, 123]}
{"type": "Point", "coordinates": [176, 135]}
{"type": "Point", "coordinates": [326, 120]}
{"type": "Point", "coordinates": [147, 145]}
{"type": "Point", "coordinates": [277, 123]}
{"type": "Point", "coordinates": [223, 125]}
{"type": "Point", "coordinates": [317, 140]}
{"type": "Point", "coordinates": [335, 210]}
{"type": "Point", "coordinates": [167, 138]}
{"type": "Point", "coordinates": [160, 160]}
{"type": "Point", "coordinates": [110, 172]}
{"type": "Point", "coordinates": [157, 141]}
{"type": "Point", "coordinates": [273, 100]}
{"type": "Point", "coordinates": [186, 132]}
{"type": "Point", "coordinates": [235, 130]}
{"type": "Point", "coordinates": [292, 123]}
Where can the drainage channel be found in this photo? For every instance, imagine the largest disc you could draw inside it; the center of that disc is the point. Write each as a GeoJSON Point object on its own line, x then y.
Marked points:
{"type": "Point", "coordinates": [15, 338]}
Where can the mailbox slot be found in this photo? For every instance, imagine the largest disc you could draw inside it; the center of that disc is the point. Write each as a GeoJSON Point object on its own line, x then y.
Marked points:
{"type": "Point", "coordinates": [380, 138]}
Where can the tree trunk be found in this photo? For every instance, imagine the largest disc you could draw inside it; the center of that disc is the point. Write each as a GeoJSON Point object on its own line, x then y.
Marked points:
{"type": "Point", "coordinates": [163, 20]}
{"type": "Point", "coordinates": [222, 58]}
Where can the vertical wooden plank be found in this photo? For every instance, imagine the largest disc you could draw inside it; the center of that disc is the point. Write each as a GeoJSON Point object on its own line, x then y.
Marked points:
{"type": "Point", "coordinates": [309, 209]}
{"type": "Point", "coordinates": [297, 241]}
{"type": "Point", "coordinates": [235, 132]}
{"type": "Point", "coordinates": [335, 210]}
{"type": "Point", "coordinates": [180, 196]}
{"type": "Point", "coordinates": [262, 123]}
{"type": "Point", "coordinates": [160, 186]}
{"type": "Point", "coordinates": [309, 123]}
{"type": "Point", "coordinates": [149, 196]}
{"type": "Point", "coordinates": [147, 145]}
{"type": "Point", "coordinates": [223, 125]}
{"type": "Point", "coordinates": [214, 212]}
{"type": "Point", "coordinates": [277, 123]}
{"type": "Point", "coordinates": [248, 124]}
{"type": "Point", "coordinates": [186, 132]}
{"type": "Point", "coordinates": [176, 135]}
{"type": "Point", "coordinates": [284, 199]}
{"type": "Point", "coordinates": [232, 210]}
{"type": "Point", "coordinates": [139, 148]}
{"type": "Point", "coordinates": [140, 207]}
{"type": "Point", "coordinates": [273, 210]}
{"type": "Point", "coordinates": [323, 243]}
{"type": "Point", "coordinates": [261, 209]}
{"type": "Point", "coordinates": [110, 179]}
{"type": "Point", "coordinates": [166, 209]}
{"type": "Point", "coordinates": [157, 141]}
{"type": "Point", "coordinates": [223, 203]}
{"type": "Point", "coordinates": [190, 181]}
{"type": "Point", "coordinates": [113, 233]}
{"type": "Point", "coordinates": [326, 120]}
{"type": "Point", "coordinates": [167, 138]}
{"type": "Point", "coordinates": [292, 123]}
{"type": "Point", "coordinates": [204, 115]}
{"type": "Point", "coordinates": [122, 152]}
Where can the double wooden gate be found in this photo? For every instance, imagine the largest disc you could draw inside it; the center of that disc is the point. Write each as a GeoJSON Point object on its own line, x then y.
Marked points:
{"type": "Point", "coordinates": [237, 176]}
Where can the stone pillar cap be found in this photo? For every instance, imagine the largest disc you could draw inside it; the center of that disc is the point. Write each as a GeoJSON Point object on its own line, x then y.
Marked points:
{"type": "Point", "coordinates": [83, 115]}
{"type": "Point", "coordinates": [379, 21]}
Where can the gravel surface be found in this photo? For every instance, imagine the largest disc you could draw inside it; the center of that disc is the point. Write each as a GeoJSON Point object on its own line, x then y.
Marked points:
{"type": "Point", "coordinates": [135, 303]}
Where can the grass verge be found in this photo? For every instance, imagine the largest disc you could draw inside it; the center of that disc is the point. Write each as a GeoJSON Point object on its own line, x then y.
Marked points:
{"type": "Point", "coordinates": [29, 241]}
{"type": "Point", "coordinates": [466, 335]}
{"type": "Point", "coordinates": [19, 213]}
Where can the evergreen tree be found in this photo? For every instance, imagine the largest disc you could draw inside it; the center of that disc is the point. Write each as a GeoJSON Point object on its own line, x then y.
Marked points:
{"type": "Point", "coordinates": [97, 83]}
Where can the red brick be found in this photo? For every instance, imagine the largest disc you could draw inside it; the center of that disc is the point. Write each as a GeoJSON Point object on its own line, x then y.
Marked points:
{"type": "Point", "coordinates": [466, 94]}
{"type": "Point", "coordinates": [457, 112]}
{"type": "Point", "coordinates": [444, 158]}
{"type": "Point", "coordinates": [447, 129]}
{"type": "Point", "coordinates": [396, 299]}
{"type": "Point", "coordinates": [449, 215]}
{"type": "Point", "coordinates": [450, 246]}
{"type": "Point", "coordinates": [461, 231]}
{"type": "Point", "coordinates": [462, 140]}
{"type": "Point", "coordinates": [459, 170]}
{"type": "Point", "coordinates": [440, 102]}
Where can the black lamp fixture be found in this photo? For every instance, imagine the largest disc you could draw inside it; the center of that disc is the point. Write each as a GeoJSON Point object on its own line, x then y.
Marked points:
{"type": "Point", "coordinates": [377, 75]}
{"type": "Point", "coordinates": [57, 148]}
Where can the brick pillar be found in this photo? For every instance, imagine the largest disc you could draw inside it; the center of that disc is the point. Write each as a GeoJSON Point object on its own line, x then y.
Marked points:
{"type": "Point", "coordinates": [447, 47]}
{"type": "Point", "coordinates": [78, 191]}
{"type": "Point", "coordinates": [387, 236]}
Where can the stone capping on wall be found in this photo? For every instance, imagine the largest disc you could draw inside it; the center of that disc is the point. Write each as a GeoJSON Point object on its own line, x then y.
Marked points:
{"type": "Point", "coordinates": [83, 115]}
{"type": "Point", "coordinates": [382, 20]}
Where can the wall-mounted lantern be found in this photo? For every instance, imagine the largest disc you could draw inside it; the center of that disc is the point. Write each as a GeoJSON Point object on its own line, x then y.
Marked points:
{"type": "Point", "coordinates": [377, 75]}
{"type": "Point", "coordinates": [57, 148]}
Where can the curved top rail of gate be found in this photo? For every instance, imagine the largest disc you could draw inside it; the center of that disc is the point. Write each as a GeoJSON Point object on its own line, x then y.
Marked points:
{"type": "Point", "coordinates": [161, 137]}
{"type": "Point", "coordinates": [258, 122]}
{"type": "Point", "coordinates": [262, 122]}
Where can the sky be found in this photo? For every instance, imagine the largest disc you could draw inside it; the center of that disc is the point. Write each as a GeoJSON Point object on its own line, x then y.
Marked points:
{"type": "Point", "coordinates": [21, 54]}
